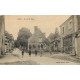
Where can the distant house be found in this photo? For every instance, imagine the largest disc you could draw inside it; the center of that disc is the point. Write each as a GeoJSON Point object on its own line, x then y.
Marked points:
{"type": "Point", "coordinates": [2, 38]}
{"type": "Point", "coordinates": [36, 41]}
{"type": "Point", "coordinates": [55, 41]}
{"type": "Point", "coordinates": [56, 44]}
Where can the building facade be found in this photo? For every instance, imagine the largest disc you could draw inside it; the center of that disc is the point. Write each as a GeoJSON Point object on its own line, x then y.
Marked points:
{"type": "Point", "coordinates": [9, 44]}
{"type": "Point", "coordinates": [2, 38]}
{"type": "Point", "coordinates": [6, 44]}
{"type": "Point", "coordinates": [77, 35]}
{"type": "Point", "coordinates": [35, 42]}
{"type": "Point", "coordinates": [70, 40]}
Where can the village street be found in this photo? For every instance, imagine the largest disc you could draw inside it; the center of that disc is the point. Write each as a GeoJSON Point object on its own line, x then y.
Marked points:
{"type": "Point", "coordinates": [16, 58]}
{"type": "Point", "coordinates": [64, 40]}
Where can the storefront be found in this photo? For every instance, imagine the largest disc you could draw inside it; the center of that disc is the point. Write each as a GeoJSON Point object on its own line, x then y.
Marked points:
{"type": "Point", "coordinates": [67, 44]}
{"type": "Point", "coordinates": [78, 43]}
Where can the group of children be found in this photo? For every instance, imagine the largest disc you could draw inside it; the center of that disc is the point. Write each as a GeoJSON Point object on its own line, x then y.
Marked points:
{"type": "Point", "coordinates": [36, 52]}
{"type": "Point", "coordinates": [29, 52]}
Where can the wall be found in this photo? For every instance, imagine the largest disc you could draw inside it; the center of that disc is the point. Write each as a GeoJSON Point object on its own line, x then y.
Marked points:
{"type": "Point", "coordinates": [68, 29]}
{"type": "Point", "coordinates": [68, 26]}
{"type": "Point", "coordinates": [2, 39]}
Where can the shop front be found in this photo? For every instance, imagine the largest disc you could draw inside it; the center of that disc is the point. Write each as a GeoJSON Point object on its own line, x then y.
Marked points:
{"type": "Point", "coordinates": [68, 44]}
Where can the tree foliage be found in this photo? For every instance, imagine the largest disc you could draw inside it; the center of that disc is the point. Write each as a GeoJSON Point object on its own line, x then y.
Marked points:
{"type": "Point", "coordinates": [9, 36]}
{"type": "Point", "coordinates": [46, 41]}
{"type": "Point", "coordinates": [23, 36]}
{"type": "Point", "coordinates": [53, 36]}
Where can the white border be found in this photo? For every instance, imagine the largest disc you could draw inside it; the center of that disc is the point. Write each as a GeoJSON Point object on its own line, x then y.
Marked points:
{"type": "Point", "coordinates": [40, 7]}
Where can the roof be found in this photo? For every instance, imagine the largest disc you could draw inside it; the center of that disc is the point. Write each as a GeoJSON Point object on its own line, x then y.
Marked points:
{"type": "Point", "coordinates": [66, 21]}
{"type": "Point", "coordinates": [36, 36]}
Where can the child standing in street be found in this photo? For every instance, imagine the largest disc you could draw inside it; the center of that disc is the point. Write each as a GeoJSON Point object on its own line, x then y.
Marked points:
{"type": "Point", "coordinates": [50, 51]}
{"type": "Point", "coordinates": [29, 53]}
{"type": "Point", "coordinates": [22, 53]}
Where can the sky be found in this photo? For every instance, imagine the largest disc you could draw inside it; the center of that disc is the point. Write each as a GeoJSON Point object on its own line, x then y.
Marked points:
{"type": "Point", "coordinates": [47, 23]}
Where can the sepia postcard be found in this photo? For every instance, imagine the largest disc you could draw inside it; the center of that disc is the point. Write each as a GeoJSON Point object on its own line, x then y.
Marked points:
{"type": "Point", "coordinates": [39, 39]}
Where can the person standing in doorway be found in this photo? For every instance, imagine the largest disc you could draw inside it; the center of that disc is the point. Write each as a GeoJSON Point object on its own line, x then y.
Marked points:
{"type": "Point", "coordinates": [41, 50]}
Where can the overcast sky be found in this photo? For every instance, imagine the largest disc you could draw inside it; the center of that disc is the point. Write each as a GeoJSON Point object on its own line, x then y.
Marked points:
{"type": "Point", "coordinates": [46, 23]}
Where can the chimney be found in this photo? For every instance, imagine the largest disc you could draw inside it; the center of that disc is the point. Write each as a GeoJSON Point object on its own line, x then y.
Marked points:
{"type": "Point", "coordinates": [35, 28]}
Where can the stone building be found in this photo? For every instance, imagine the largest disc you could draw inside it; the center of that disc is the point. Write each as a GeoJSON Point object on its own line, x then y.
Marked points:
{"type": "Point", "coordinates": [6, 44]}
{"type": "Point", "coordinates": [2, 38]}
{"type": "Point", "coordinates": [36, 40]}
{"type": "Point", "coordinates": [9, 44]}
{"type": "Point", "coordinates": [77, 35]}
{"type": "Point", "coordinates": [70, 40]}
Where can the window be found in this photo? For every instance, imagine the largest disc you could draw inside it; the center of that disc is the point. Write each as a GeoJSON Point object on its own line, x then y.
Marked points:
{"type": "Point", "coordinates": [41, 45]}
{"type": "Point", "coordinates": [78, 18]}
{"type": "Point", "coordinates": [62, 30]}
{"type": "Point", "coordinates": [2, 40]}
{"type": "Point", "coordinates": [56, 44]}
{"type": "Point", "coordinates": [29, 46]}
{"type": "Point", "coordinates": [70, 24]}
{"type": "Point", "coordinates": [34, 46]}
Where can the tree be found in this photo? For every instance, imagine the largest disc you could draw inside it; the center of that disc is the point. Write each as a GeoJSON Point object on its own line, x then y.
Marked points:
{"type": "Point", "coordinates": [51, 37]}
{"type": "Point", "coordinates": [10, 40]}
{"type": "Point", "coordinates": [9, 36]}
{"type": "Point", "coordinates": [23, 36]}
{"type": "Point", "coordinates": [46, 41]}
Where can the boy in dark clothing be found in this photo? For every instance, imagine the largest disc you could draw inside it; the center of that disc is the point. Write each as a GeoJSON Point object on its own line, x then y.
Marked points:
{"type": "Point", "coordinates": [30, 53]}
{"type": "Point", "coordinates": [22, 53]}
